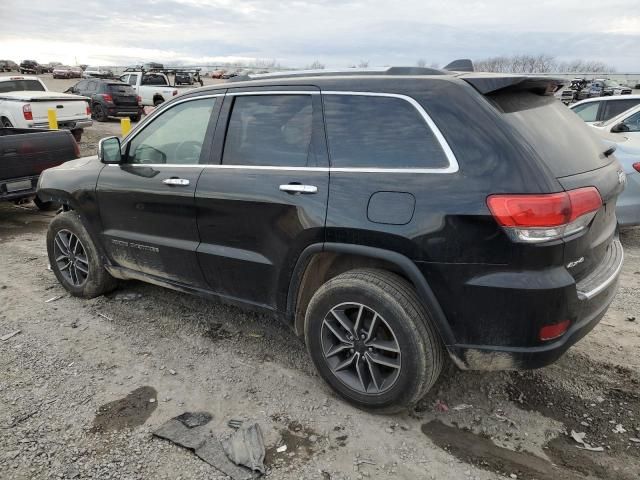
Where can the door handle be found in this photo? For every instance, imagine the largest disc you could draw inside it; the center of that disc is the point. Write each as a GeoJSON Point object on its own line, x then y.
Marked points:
{"type": "Point", "coordinates": [297, 188]}
{"type": "Point", "coordinates": [178, 182]}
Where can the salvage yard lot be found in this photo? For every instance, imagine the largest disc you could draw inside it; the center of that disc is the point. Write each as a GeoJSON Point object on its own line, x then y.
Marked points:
{"type": "Point", "coordinates": [84, 383]}
{"type": "Point", "coordinates": [74, 356]}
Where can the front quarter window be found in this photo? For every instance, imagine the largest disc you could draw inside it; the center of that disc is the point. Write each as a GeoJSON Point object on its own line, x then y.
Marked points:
{"type": "Point", "coordinates": [175, 136]}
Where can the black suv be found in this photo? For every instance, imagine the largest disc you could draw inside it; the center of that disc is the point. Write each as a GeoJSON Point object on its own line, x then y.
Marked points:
{"type": "Point", "coordinates": [109, 98]}
{"type": "Point", "coordinates": [390, 218]}
{"type": "Point", "coordinates": [31, 66]}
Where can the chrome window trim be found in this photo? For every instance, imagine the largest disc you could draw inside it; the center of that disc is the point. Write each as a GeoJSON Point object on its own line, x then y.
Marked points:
{"type": "Point", "coordinates": [453, 162]}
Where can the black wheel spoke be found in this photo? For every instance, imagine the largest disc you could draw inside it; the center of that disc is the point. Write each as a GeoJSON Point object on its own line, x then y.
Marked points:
{"type": "Point", "coordinates": [360, 348]}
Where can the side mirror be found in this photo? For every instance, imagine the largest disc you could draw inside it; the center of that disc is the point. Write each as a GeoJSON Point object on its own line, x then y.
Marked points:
{"type": "Point", "coordinates": [109, 150]}
{"type": "Point", "coordinates": [619, 128]}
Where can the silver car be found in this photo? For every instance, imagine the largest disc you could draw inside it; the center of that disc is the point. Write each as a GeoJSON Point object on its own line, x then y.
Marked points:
{"type": "Point", "coordinates": [628, 154]}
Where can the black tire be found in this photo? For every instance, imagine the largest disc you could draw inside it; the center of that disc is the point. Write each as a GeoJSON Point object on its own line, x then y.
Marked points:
{"type": "Point", "coordinates": [45, 206]}
{"type": "Point", "coordinates": [157, 101]}
{"type": "Point", "coordinates": [6, 123]}
{"type": "Point", "coordinates": [135, 118]}
{"type": "Point", "coordinates": [97, 281]}
{"type": "Point", "coordinates": [99, 113]}
{"type": "Point", "coordinates": [420, 352]}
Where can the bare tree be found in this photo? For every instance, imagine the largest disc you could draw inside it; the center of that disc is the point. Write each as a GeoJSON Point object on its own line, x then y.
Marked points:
{"type": "Point", "coordinates": [538, 64]}
{"type": "Point", "coordinates": [363, 64]}
{"type": "Point", "coordinates": [421, 63]}
{"type": "Point", "coordinates": [316, 65]}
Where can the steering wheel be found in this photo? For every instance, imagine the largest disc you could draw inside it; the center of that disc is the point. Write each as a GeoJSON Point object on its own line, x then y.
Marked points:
{"type": "Point", "coordinates": [188, 151]}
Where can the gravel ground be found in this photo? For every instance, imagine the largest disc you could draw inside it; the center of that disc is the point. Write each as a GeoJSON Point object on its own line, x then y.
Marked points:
{"type": "Point", "coordinates": [76, 386]}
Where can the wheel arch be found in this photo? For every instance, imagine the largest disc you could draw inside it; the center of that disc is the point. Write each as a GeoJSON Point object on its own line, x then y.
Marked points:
{"type": "Point", "coordinates": [320, 262]}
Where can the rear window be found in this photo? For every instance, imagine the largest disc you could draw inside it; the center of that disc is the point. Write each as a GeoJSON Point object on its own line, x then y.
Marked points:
{"type": "Point", "coordinates": [545, 126]}
{"type": "Point", "coordinates": [21, 86]}
{"type": "Point", "coordinates": [120, 88]}
{"type": "Point", "coordinates": [379, 132]}
{"type": "Point", "coordinates": [154, 80]}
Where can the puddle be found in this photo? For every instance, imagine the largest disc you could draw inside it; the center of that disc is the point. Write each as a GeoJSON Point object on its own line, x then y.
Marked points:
{"type": "Point", "coordinates": [483, 453]}
{"type": "Point", "coordinates": [130, 411]}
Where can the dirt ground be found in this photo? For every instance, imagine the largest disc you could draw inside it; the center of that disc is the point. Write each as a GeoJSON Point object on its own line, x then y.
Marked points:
{"type": "Point", "coordinates": [76, 386]}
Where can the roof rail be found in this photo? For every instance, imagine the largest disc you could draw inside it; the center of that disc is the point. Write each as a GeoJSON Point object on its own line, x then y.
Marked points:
{"type": "Point", "coordinates": [342, 72]}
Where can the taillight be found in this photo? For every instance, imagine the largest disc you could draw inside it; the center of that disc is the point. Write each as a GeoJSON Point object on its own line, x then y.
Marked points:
{"type": "Point", "coordinates": [175, 92]}
{"type": "Point", "coordinates": [636, 166]}
{"type": "Point", "coordinates": [107, 98]}
{"type": "Point", "coordinates": [76, 147]}
{"type": "Point", "coordinates": [544, 217]}
{"type": "Point", "coordinates": [26, 112]}
{"type": "Point", "coordinates": [88, 110]}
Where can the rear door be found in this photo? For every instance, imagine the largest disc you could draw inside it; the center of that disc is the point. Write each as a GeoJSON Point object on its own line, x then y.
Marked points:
{"type": "Point", "coordinates": [264, 198]}
{"type": "Point", "coordinates": [147, 204]}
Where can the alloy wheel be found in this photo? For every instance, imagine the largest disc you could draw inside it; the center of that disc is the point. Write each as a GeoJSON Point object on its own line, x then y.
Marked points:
{"type": "Point", "coordinates": [71, 258]}
{"type": "Point", "coordinates": [360, 348]}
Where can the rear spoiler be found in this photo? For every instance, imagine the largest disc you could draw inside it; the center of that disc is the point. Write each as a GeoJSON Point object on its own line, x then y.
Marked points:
{"type": "Point", "coordinates": [492, 83]}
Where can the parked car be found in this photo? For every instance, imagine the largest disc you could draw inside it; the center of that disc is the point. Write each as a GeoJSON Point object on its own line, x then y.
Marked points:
{"type": "Point", "coordinates": [25, 102]}
{"type": "Point", "coordinates": [217, 73]}
{"type": "Point", "coordinates": [601, 109]}
{"type": "Point", "coordinates": [184, 78]}
{"type": "Point", "coordinates": [8, 66]}
{"type": "Point", "coordinates": [30, 66]}
{"type": "Point", "coordinates": [97, 72]}
{"type": "Point", "coordinates": [604, 87]}
{"type": "Point", "coordinates": [228, 74]}
{"type": "Point", "coordinates": [62, 71]}
{"type": "Point", "coordinates": [385, 223]}
{"type": "Point", "coordinates": [627, 124]}
{"type": "Point", "coordinates": [153, 88]}
{"type": "Point", "coordinates": [75, 72]}
{"type": "Point", "coordinates": [25, 153]}
{"type": "Point", "coordinates": [628, 154]}
{"type": "Point", "coordinates": [109, 98]}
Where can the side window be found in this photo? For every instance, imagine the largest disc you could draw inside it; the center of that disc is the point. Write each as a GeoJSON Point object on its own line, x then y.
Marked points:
{"type": "Point", "coordinates": [133, 79]}
{"type": "Point", "coordinates": [588, 112]}
{"type": "Point", "coordinates": [176, 136]}
{"type": "Point", "coordinates": [124, 78]}
{"type": "Point", "coordinates": [616, 107]}
{"type": "Point", "coordinates": [269, 130]}
{"type": "Point", "coordinates": [80, 86]}
{"type": "Point", "coordinates": [92, 86]}
{"type": "Point", "coordinates": [379, 132]}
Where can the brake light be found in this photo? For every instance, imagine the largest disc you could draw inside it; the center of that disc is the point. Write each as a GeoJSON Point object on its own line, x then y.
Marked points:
{"type": "Point", "coordinates": [107, 98]}
{"type": "Point", "coordinates": [636, 166]}
{"type": "Point", "coordinates": [544, 217]}
{"type": "Point", "coordinates": [175, 92]}
{"type": "Point", "coordinates": [26, 112]}
{"type": "Point", "coordinates": [88, 110]}
{"type": "Point", "coordinates": [551, 332]}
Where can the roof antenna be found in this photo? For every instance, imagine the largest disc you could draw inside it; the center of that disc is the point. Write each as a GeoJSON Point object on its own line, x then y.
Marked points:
{"type": "Point", "coordinates": [460, 65]}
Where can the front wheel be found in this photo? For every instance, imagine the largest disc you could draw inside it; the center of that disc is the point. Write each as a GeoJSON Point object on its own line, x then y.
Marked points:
{"type": "Point", "coordinates": [74, 258]}
{"type": "Point", "coordinates": [372, 340]}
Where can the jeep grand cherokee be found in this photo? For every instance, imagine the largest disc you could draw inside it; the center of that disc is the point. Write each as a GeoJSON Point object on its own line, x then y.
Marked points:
{"type": "Point", "coordinates": [390, 218]}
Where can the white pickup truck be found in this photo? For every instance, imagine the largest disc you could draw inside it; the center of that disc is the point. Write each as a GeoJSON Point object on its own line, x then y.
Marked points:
{"type": "Point", "coordinates": [25, 103]}
{"type": "Point", "coordinates": [153, 88]}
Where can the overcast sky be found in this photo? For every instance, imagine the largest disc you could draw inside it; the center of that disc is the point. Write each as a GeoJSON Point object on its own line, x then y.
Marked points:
{"type": "Point", "coordinates": [337, 33]}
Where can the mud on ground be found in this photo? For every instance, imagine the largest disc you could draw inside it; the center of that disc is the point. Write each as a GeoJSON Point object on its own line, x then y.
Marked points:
{"type": "Point", "coordinates": [74, 386]}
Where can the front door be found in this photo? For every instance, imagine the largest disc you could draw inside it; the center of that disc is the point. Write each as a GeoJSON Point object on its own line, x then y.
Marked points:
{"type": "Point", "coordinates": [264, 198]}
{"type": "Point", "coordinates": [147, 203]}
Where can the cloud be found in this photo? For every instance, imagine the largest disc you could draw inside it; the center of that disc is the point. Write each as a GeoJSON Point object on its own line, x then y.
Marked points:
{"type": "Point", "coordinates": [296, 32]}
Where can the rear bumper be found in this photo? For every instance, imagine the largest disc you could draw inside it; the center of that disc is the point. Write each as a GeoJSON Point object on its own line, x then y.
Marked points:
{"type": "Point", "coordinates": [585, 304]}
{"type": "Point", "coordinates": [7, 193]}
{"type": "Point", "coordinates": [124, 111]}
{"type": "Point", "coordinates": [66, 124]}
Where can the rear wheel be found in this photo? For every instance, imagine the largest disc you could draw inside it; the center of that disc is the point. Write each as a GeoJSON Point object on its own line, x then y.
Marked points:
{"type": "Point", "coordinates": [74, 258]}
{"type": "Point", "coordinates": [99, 113]}
{"type": "Point", "coordinates": [157, 101]}
{"type": "Point", "coordinates": [135, 118]}
{"type": "Point", "coordinates": [372, 340]}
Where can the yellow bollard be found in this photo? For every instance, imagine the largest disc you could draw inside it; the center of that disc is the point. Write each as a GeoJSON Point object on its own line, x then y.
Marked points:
{"type": "Point", "coordinates": [125, 126]}
{"type": "Point", "coordinates": [53, 120]}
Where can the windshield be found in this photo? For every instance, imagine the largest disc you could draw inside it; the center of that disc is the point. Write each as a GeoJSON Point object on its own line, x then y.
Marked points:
{"type": "Point", "coordinates": [610, 83]}
{"type": "Point", "coordinates": [617, 119]}
{"type": "Point", "coordinates": [21, 86]}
